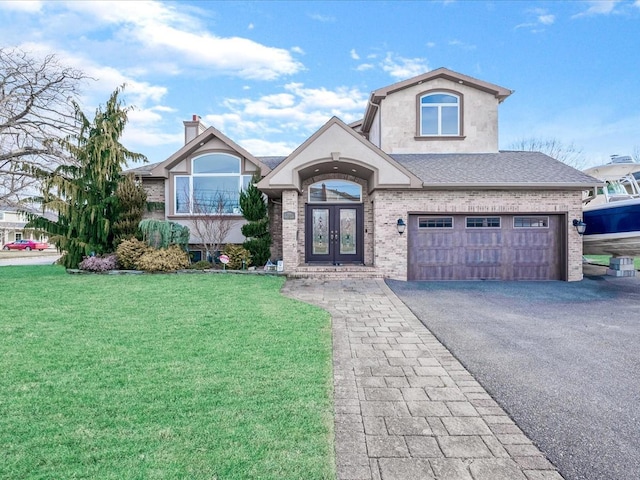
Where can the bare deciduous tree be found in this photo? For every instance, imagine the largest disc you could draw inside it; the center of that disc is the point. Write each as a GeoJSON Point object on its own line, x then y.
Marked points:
{"type": "Point", "coordinates": [211, 220]}
{"type": "Point", "coordinates": [36, 112]}
{"type": "Point", "coordinates": [566, 153]}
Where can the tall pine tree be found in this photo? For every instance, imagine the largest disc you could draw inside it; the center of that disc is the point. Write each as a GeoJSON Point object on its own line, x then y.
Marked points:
{"type": "Point", "coordinates": [254, 210]}
{"type": "Point", "coordinates": [83, 194]}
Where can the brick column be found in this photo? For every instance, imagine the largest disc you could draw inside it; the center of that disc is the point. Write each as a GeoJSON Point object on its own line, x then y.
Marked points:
{"type": "Point", "coordinates": [290, 230]}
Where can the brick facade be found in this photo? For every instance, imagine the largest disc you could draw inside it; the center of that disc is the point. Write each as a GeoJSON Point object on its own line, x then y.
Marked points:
{"type": "Point", "coordinates": [390, 253]}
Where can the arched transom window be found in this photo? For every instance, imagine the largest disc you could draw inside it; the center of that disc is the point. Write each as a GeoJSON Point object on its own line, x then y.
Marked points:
{"type": "Point", "coordinates": [213, 187]}
{"type": "Point", "coordinates": [439, 114]}
{"type": "Point", "coordinates": [335, 191]}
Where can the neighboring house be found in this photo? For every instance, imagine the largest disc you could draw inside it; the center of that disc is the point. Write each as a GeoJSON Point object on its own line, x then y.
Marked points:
{"type": "Point", "coordinates": [425, 155]}
{"type": "Point", "coordinates": [12, 227]}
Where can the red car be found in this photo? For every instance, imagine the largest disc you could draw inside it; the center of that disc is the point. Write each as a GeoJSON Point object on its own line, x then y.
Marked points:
{"type": "Point", "coordinates": [25, 245]}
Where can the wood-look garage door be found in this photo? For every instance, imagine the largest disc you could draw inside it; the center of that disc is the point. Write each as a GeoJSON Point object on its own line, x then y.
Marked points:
{"type": "Point", "coordinates": [485, 247]}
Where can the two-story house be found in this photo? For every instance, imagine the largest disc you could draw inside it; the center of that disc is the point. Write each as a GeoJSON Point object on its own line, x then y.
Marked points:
{"type": "Point", "coordinates": [13, 227]}
{"type": "Point", "coordinates": [416, 190]}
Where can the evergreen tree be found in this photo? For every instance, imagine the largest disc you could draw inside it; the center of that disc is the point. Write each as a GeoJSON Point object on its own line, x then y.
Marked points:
{"type": "Point", "coordinates": [132, 200]}
{"type": "Point", "coordinates": [83, 194]}
{"type": "Point", "coordinates": [254, 210]}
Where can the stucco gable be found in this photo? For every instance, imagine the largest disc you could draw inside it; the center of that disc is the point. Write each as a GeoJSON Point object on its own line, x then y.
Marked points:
{"type": "Point", "coordinates": [441, 73]}
{"type": "Point", "coordinates": [210, 137]}
{"type": "Point", "coordinates": [336, 148]}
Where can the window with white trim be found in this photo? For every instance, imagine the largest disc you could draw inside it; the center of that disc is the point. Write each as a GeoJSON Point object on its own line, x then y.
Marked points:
{"type": "Point", "coordinates": [439, 114]}
{"type": "Point", "coordinates": [213, 187]}
{"type": "Point", "coordinates": [435, 222]}
{"type": "Point", "coordinates": [1, 215]}
{"type": "Point", "coordinates": [483, 222]}
{"type": "Point", "coordinates": [530, 222]}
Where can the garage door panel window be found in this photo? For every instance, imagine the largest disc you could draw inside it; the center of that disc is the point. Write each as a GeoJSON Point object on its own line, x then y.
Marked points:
{"type": "Point", "coordinates": [483, 222]}
{"type": "Point", "coordinates": [530, 222]}
{"type": "Point", "coordinates": [435, 222]}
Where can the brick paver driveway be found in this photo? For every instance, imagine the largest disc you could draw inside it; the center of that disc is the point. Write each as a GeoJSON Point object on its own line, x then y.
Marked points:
{"type": "Point", "coordinates": [562, 358]}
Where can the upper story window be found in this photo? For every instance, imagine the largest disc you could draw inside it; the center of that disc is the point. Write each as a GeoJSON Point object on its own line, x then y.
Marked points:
{"type": "Point", "coordinates": [1, 215]}
{"type": "Point", "coordinates": [213, 187]}
{"type": "Point", "coordinates": [440, 114]}
{"type": "Point", "coordinates": [334, 191]}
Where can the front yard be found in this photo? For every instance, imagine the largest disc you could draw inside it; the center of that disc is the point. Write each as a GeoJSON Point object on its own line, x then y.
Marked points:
{"type": "Point", "coordinates": [161, 377]}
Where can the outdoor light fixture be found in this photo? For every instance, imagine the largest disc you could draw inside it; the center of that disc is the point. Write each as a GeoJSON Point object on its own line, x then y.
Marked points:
{"type": "Point", "coordinates": [580, 226]}
{"type": "Point", "coordinates": [401, 226]}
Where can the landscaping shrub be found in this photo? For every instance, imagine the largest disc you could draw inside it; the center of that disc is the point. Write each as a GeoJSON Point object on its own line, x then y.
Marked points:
{"type": "Point", "coordinates": [236, 254]}
{"type": "Point", "coordinates": [130, 251]}
{"type": "Point", "coordinates": [164, 260]}
{"type": "Point", "coordinates": [99, 264]}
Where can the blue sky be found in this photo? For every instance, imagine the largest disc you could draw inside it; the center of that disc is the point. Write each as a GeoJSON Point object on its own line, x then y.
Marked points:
{"type": "Point", "coordinates": [268, 74]}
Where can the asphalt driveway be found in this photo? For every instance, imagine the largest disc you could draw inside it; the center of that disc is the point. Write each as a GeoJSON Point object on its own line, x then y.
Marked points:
{"type": "Point", "coordinates": [562, 358]}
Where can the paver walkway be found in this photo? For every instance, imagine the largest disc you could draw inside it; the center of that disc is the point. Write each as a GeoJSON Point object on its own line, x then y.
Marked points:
{"type": "Point", "coordinates": [405, 408]}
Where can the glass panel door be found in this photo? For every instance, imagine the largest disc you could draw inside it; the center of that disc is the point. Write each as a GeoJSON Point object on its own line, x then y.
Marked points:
{"type": "Point", "coordinates": [334, 234]}
{"type": "Point", "coordinates": [348, 234]}
{"type": "Point", "coordinates": [320, 231]}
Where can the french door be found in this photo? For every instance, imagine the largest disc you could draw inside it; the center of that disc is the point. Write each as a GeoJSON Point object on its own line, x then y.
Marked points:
{"type": "Point", "coordinates": [334, 233]}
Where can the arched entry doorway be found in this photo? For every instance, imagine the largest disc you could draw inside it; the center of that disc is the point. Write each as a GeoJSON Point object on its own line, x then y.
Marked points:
{"type": "Point", "coordinates": [334, 223]}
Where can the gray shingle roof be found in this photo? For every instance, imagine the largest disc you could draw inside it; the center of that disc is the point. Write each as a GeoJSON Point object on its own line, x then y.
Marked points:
{"type": "Point", "coordinates": [271, 162]}
{"type": "Point", "coordinates": [509, 168]}
{"type": "Point", "coordinates": [142, 169]}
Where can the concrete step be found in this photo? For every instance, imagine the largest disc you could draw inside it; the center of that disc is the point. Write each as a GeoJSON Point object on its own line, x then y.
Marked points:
{"type": "Point", "coordinates": [335, 272]}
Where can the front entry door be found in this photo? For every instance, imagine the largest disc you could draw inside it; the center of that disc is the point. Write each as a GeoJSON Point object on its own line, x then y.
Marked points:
{"type": "Point", "coordinates": [334, 233]}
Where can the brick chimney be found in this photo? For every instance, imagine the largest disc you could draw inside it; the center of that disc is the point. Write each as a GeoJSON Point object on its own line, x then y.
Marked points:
{"type": "Point", "coordinates": [192, 128]}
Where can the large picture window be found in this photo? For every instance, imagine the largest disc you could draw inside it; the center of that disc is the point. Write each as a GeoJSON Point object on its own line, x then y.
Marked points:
{"type": "Point", "coordinates": [439, 114]}
{"type": "Point", "coordinates": [213, 187]}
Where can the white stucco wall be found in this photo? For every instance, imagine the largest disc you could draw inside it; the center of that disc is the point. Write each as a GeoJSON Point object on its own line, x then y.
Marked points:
{"type": "Point", "coordinates": [399, 112]}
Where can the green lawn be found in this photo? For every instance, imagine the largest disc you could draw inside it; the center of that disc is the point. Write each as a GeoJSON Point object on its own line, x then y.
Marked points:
{"type": "Point", "coordinates": [161, 377]}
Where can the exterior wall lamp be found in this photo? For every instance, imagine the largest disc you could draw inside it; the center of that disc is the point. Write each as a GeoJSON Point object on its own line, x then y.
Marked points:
{"type": "Point", "coordinates": [580, 226]}
{"type": "Point", "coordinates": [401, 226]}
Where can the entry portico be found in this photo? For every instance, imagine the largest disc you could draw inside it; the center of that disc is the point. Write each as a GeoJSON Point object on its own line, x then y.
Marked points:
{"type": "Point", "coordinates": [327, 188]}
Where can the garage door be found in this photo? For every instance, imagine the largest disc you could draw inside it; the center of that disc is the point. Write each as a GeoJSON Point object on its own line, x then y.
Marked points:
{"type": "Point", "coordinates": [485, 247]}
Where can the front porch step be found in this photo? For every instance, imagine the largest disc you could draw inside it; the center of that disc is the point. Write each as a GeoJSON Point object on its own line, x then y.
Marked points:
{"type": "Point", "coordinates": [336, 272]}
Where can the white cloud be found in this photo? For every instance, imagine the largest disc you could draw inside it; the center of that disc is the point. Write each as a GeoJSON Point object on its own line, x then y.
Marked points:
{"type": "Point", "coordinates": [354, 54]}
{"type": "Point", "coordinates": [431, 44]}
{"type": "Point", "coordinates": [598, 7]}
{"type": "Point", "coordinates": [363, 67]}
{"type": "Point", "coordinates": [297, 111]}
{"type": "Point", "coordinates": [297, 50]}
{"type": "Point", "coordinates": [28, 6]}
{"type": "Point", "coordinates": [547, 19]}
{"type": "Point", "coordinates": [462, 45]}
{"type": "Point", "coordinates": [250, 26]}
{"type": "Point", "coordinates": [322, 18]}
{"type": "Point", "coordinates": [400, 67]}
{"type": "Point", "coordinates": [164, 31]}
{"type": "Point", "coordinates": [542, 19]}
{"type": "Point", "coordinates": [259, 147]}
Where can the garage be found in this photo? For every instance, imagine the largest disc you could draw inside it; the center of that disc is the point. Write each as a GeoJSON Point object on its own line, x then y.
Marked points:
{"type": "Point", "coordinates": [486, 247]}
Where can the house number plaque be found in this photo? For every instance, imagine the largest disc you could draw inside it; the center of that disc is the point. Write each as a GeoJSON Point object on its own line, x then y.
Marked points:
{"type": "Point", "coordinates": [289, 215]}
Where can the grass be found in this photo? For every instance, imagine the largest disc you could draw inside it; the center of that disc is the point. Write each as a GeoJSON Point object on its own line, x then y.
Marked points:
{"type": "Point", "coordinates": [161, 377]}
{"type": "Point", "coordinates": [604, 260]}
